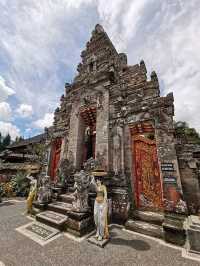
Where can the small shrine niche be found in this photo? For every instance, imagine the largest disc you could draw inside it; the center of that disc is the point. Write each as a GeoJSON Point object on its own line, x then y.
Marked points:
{"type": "Point", "coordinates": [88, 136]}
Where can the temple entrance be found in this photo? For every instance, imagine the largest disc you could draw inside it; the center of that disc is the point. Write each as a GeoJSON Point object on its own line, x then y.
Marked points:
{"type": "Point", "coordinates": [147, 180]}
{"type": "Point", "coordinates": [88, 115]}
{"type": "Point", "coordinates": [55, 158]}
{"type": "Point", "coordinates": [89, 143]}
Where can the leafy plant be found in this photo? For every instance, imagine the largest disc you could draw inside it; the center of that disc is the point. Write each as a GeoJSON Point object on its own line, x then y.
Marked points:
{"type": "Point", "coordinates": [20, 184]}
{"type": "Point", "coordinates": [7, 190]}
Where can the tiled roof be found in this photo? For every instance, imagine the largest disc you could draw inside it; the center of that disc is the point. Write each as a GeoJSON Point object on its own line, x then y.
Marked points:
{"type": "Point", "coordinates": [25, 142]}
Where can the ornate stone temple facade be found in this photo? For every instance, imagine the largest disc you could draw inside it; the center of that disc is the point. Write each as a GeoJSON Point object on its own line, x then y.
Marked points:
{"type": "Point", "coordinates": [113, 113]}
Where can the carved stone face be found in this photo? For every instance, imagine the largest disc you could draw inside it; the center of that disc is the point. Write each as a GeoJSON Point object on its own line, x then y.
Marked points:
{"type": "Point", "coordinates": [82, 180]}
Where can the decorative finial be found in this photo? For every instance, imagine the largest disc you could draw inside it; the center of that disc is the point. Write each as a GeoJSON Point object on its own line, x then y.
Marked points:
{"type": "Point", "coordinates": [99, 28]}
{"type": "Point", "coordinates": [143, 66]}
{"type": "Point", "coordinates": [154, 76]}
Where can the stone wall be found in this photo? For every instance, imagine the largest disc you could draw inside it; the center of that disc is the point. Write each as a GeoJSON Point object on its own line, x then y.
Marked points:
{"type": "Point", "coordinates": [189, 165]}
{"type": "Point", "coordinates": [102, 130]}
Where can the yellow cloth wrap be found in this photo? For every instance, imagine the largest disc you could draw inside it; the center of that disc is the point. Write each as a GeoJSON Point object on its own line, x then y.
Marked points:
{"type": "Point", "coordinates": [30, 199]}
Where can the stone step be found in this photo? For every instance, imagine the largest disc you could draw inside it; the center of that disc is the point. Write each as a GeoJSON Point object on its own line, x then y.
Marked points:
{"type": "Point", "coordinates": [148, 216]}
{"type": "Point", "coordinates": [145, 228]}
{"type": "Point", "coordinates": [53, 219]}
{"type": "Point", "coordinates": [68, 198]}
{"type": "Point", "coordinates": [41, 206]}
{"type": "Point", "coordinates": [60, 207]}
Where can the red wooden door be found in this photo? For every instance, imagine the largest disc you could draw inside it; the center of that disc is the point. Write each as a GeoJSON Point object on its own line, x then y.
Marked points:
{"type": "Point", "coordinates": [147, 181]}
{"type": "Point", "coordinates": [56, 149]}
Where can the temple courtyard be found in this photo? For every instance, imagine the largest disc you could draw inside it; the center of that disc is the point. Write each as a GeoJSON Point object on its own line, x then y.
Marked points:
{"type": "Point", "coordinates": [124, 248]}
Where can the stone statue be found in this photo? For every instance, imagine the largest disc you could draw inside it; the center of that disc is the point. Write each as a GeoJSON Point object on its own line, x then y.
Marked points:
{"type": "Point", "coordinates": [82, 182]}
{"type": "Point", "coordinates": [32, 193]}
{"type": "Point", "coordinates": [65, 171]}
{"type": "Point", "coordinates": [90, 165]}
{"type": "Point", "coordinates": [117, 152]}
{"type": "Point", "coordinates": [101, 211]}
{"type": "Point", "coordinates": [87, 134]}
{"type": "Point", "coordinates": [44, 191]}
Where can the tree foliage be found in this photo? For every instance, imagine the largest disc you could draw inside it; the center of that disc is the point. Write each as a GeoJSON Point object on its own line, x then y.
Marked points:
{"type": "Point", "coordinates": [186, 133]}
{"type": "Point", "coordinates": [38, 150]}
{"type": "Point", "coordinates": [4, 141]}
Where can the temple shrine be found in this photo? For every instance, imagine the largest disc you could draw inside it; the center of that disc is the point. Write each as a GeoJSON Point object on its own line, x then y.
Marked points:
{"type": "Point", "coordinates": [113, 113]}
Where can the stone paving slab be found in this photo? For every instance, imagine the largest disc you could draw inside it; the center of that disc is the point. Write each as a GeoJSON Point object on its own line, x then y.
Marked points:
{"type": "Point", "coordinates": [40, 233]}
{"type": "Point", "coordinates": [123, 249]}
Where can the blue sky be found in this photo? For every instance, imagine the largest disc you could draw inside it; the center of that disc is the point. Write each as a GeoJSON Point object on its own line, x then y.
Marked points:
{"type": "Point", "coordinates": [41, 42]}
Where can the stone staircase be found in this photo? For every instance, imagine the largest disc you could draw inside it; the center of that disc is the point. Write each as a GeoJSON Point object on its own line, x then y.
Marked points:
{"type": "Point", "coordinates": [52, 219]}
{"type": "Point", "coordinates": [56, 213]}
{"type": "Point", "coordinates": [146, 222]}
{"type": "Point", "coordinates": [59, 207]}
{"type": "Point", "coordinates": [59, 214]}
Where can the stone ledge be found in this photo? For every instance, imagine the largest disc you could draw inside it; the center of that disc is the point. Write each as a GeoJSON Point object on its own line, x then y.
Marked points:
{"type": "Point", "coordinates": [145, 228]}
{"type": "Point", "coordinates": [148, 216]}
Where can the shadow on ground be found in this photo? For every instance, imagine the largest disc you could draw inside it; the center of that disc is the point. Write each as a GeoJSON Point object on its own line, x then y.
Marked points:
{"type": "Point", "coordinates": [6, 203]}
{"type": "Point", "coordinates": [137, 244]}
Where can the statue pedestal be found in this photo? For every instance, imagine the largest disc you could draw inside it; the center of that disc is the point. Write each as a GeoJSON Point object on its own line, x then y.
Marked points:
{"type": "Point", "coordinates": [193, 234]}
{"type": "Point", "coordinates": [80, 223]}
{"type": "Point", "coordinates": [101, 244]}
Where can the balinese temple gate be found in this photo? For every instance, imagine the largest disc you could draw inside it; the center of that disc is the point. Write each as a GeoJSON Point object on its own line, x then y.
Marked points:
{"type": "Point", "coordinates": [114, 114]}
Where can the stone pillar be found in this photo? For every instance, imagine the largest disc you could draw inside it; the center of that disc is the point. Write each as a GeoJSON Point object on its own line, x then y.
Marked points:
{"type": "Point", "coordinates": [102, 131]}
{"type": "Point", "coordinates": [122, 150]}
{"type": "Point", "coordinates": [169, 170]}
{"type": "Point", "coordinates": [118, 140]}
{"type": "Point", "coordinates": [48, 165]}
{"type": "Point", "coordinates": [80, 143]}
{"type": "Point", "coordinates": [73, 135]}
{"type": "Point", "coordinates": [62, 148]}
{"type": "Point", "coordinates": [174, 205]}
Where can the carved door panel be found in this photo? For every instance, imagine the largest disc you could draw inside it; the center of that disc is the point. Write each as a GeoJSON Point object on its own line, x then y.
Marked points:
{"type": "Point", "coordinates": [147, 181]}
{"type": "Point", "coordinates": [56, 150]}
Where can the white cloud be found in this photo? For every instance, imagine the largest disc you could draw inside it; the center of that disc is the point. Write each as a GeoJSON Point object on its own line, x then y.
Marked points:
{"type": "Point", "coordinates": [25, 110]}
{"type": "Point", "coordinates": [5, 90]}
{"type": "Point", "coordinates": [46, 121]}
{"type": "Point", "coordinates": [41, 42]}
{"type": "Point", "coordinates": [77, 3]}
{"type": "Point", "coordinates": [6, 128]}
{"type": "Point", "coordinates": [5, 111]}
{"type": "Point", "coordinates": [121, 18]}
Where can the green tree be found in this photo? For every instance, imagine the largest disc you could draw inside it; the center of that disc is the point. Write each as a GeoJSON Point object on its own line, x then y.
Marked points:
{"type": "Point", "coordinates": [187, 134]}
{"type": "Point", "coordinates": [6, 141]}
{"type": "Point", "coordinates": [18, 139]}
{"type": "Point", "coordinates": [1, 142]}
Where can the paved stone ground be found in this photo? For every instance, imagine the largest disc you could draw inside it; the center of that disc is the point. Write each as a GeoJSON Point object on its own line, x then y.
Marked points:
{"type": "Point", "coordinates": [123, 249]}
